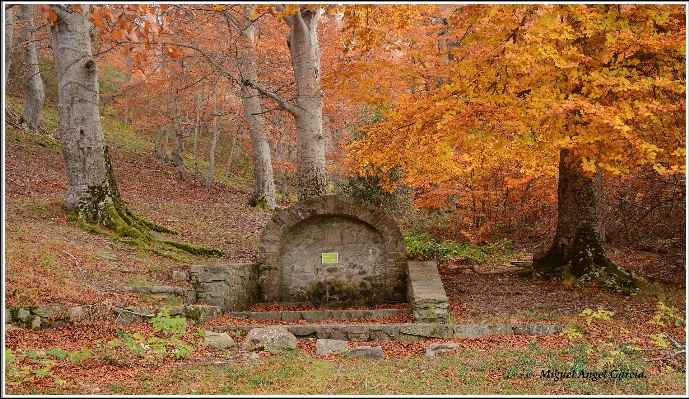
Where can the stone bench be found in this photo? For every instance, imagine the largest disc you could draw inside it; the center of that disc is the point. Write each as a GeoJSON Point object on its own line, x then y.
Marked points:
{"type": "Point", "coordinates": [426, 293]}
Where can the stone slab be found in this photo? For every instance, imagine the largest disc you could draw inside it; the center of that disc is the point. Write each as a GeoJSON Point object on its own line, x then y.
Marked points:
{"type": "Point", "coordinates": [318, 315]}
{"type": "Point", "coordinates": [426, 293]}
{"type": "Point", "coordinates": [400, 332]}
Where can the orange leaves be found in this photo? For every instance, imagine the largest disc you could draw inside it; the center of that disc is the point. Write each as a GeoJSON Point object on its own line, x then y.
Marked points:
{"type": "Point", "coordinates": [96, 13]}
{"type": "Point", "coordinates": [172, 51]}
{"type": "Point", "coordinates": [117, 34]}
{"type": "Point", "coordinates": [288, 10]}
{"type": "Point", "coordinates": [219, 8]}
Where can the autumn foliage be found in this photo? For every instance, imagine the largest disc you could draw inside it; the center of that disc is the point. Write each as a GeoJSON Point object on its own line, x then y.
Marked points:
{"type": "Point", "coordinates": [492, 93]}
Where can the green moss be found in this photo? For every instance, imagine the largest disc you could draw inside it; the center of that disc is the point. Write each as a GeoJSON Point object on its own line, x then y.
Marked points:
{"type": "Point", "coordinates": [14, 312]}
{"type": "Point", "coordinates": [193, 313]}
{"type": "Point", "coordinates": [196, 249]}
{"type": "Point", "coordinates": [104, 206]}
{"type": "Point", "coordinates": [586, 264]}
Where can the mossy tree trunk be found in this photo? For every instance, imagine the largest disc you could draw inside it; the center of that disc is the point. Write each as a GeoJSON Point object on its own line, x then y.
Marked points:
{"type": "Point", "coordinates": [577, 250]}
{"type": "Point", "coordinates": [92, 194]}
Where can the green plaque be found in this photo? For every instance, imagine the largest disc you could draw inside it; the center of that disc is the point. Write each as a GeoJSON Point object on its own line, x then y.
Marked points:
{"type": "Point", "coordinates": [329, 257]}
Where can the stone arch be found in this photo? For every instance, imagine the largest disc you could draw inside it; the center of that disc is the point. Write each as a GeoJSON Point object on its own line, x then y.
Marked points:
{"type": "Point", "coordinates": [372, 265]}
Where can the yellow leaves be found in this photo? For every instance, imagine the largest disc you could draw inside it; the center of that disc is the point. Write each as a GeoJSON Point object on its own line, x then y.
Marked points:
{"type": "Point", "coordinates": [589, 165]}
{"type": "Point", "coordinates": [680, 152]}
{"type": "Point", "coordinates": [660, 169]}
{"type": "Point", "coordinates": [219, 8]}
{"type": "Point", "coordinates": [288, 10]}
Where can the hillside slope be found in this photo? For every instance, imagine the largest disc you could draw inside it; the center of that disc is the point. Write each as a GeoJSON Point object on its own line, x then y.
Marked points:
{"type": "Point", "coordinates": [49, 260]}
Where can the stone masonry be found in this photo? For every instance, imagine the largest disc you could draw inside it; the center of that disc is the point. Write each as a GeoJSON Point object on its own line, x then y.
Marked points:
{"type": "Point", "coordinates": [371, 264]}
{"type": "Point", "coordinates": [231, 287]}
{"type": "Point", "coordinates": [427, 297]}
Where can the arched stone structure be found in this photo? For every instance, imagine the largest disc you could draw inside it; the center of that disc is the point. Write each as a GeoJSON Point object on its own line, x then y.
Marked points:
{"type": "Point", "coordinates": [371, 264]}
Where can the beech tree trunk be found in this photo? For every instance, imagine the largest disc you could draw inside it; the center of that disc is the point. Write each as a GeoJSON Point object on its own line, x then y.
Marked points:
{"type": "Point", "coordinates": [9, 37]}
{"type": "Point", "coordinates": [178, 148]}
{"type": "Point", "coordinates": [92, 194]}
{"type": "Point", "coordinates": [577, 250]}
{"type": "Point", "coordinates": [83, 144]}
{"type": "Point", "coordinates": [214, 139]}
{"type": "Point", "coordinates": [308, 112]}
{"type": "Point", "coordinates": [264, 184]}
{"type": "Point", "coordinates": [35, 92]}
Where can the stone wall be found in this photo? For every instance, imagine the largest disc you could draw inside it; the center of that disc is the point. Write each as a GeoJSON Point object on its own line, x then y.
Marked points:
{"type": "Point", "coordinates": [231, 287]}
{"type": "Point", "coordinates": [371, 265]}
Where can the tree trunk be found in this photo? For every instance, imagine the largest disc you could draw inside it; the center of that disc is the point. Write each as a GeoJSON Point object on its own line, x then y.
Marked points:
{"type": "Point", "coordinates": [9, 37]}
{"type": "Point", "coordinates": [229, 157]}
{"type": "Point", "coordinates": [92, 194]}
{"type": "Point", "coordinates": [197, 132]}
{"type": "Point", "coordinates": [35, 92]}
{"type": "Point", "coordinates": [577, 250]}
{"type": "Point", "coordinates": [176, 156]}
{"type": "Point", "coordinates": [264, 184]}
{"type": "Point", "coordinates": [214, 139]}
{"type": "Point", "coordinates": [308, 113]}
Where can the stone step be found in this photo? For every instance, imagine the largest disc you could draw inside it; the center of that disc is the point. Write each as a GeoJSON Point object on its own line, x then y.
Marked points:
{"type": "Point", "coordinates": [318, 315]}
{"type": "Point", "coordinates": [404, 332]}
{"type": "Point", "coordinates": [426, 293]}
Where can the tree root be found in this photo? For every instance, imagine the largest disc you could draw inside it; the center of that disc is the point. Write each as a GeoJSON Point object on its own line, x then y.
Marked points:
{"type": "Point", "coordinates": [103, 206]}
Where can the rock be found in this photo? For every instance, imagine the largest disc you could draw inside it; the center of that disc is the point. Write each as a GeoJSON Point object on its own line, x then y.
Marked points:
{"type": "Point", "coordinates": [76, 313]}
{"type": "Point", "coordinates": [43, 311]}
{"type": "Point", "coordinates": [162, 289]}
{"type": "Point", "coordinates": [174, 311]}
{"type": "Point", "coordinates": [133, 314]}
{"type": "Point", "coordinates": [438, 348]}
{"type": "Point", "coordinates": [36, 323]}
{"type": "Point", "coordinates": [23, 314]}
{"type": "Point", "coordinates": [9, 326]}
{"type": "Point", "coordinates": [200, 314]}
{"type": "Point", "coordinates": [218, 340]}
{"type": "Point", "coordinates": [109, 256]}
{"type": "Point", "coordinates": [254, 356]}
{"type": "Point", "coordinates": [329, 346]}
{"type": "Point", "coordinates": [374, 352]}
{"type": "Point", "coordinates": [58, 324]}
{"type": "Point", "coordinates": [137, 289]}
{"type": "Point", "coordinates": [272, 339]}
{"type": "Point", "coordinates": [179, 276]}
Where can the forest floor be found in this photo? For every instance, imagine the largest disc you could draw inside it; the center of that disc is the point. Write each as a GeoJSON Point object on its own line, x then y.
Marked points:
{"type": "Point", "coordinates": [49, 260]}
